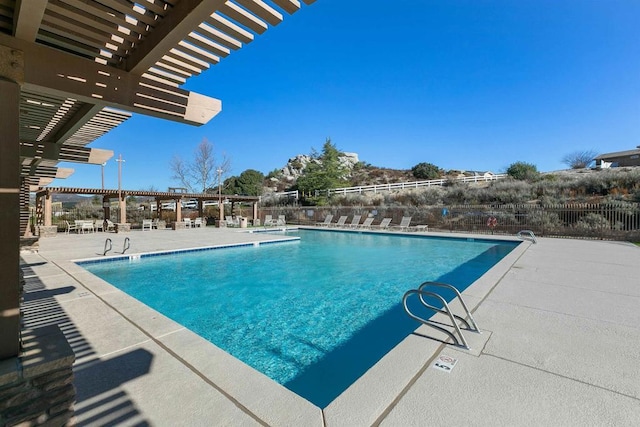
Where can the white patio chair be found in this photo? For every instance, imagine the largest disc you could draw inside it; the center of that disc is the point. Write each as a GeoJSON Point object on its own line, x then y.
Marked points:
{"type": "Point", "coordinates": [84, 225]}
{"type": "Point", "coordinates": [71, 227]}
{"type": "Point", "coordinates": [147, 224]}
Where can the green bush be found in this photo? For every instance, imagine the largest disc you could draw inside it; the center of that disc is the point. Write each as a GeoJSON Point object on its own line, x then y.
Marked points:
{"type": "Point", "coordinates": [523, 171]}
{"type": "Point", "coordinates": [426, 171]}
{"type": "Point", "coordinates": [593, 221]}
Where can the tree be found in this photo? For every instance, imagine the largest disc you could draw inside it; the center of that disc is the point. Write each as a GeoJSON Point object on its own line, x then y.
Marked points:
{"type": "Point", "coordinates": [324, 171]}
{"type": "Point", "coordinates": [522, 171]}
{"type": "Point", "coordinates": [249, 183]}
{"type": "Point", "coordinates": [201, 173]}
{"type": "Point", "coordinates": [426, 171]}
{"type": "Point", "coordinates": [579, 159]}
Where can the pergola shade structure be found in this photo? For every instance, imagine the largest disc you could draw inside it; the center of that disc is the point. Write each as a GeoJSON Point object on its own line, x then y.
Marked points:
{"type": "Point", "coordinates": [72, 70]}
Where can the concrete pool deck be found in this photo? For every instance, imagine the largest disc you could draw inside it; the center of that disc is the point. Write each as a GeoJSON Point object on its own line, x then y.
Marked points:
{"type": "Point", "coordinates": [560, 346]}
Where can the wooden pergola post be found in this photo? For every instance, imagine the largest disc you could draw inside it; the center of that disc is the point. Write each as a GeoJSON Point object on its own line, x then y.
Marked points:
{"type": "Point", "coordinates": [255, 211]}
{"type": "Point", "coordinates": [178, 210]}
{"type": "Point", "coordinates": [106, 210]}
{"type": "Point", "coordinates": [48, 211]}
{"type": "Point", "coordinates": [9, 219]}
{"type": "Point", "coordinates": [122, 204]}
{"type": "Point", "coordinates": [159, 208]}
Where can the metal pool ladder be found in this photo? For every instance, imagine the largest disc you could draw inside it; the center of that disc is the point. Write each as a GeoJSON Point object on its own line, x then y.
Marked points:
{"type": "Point", "coordinates": [107, 246]}
{"type": "Point", "coordinates": [457, 338]}
{"type": "Point", "coordinates": [524, 234]}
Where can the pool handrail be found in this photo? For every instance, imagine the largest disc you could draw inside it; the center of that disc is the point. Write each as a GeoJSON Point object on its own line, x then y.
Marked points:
{"type": "Point", "coordinates": [459, 340]}
{"type": "Point", "coordinates": [532, 236]}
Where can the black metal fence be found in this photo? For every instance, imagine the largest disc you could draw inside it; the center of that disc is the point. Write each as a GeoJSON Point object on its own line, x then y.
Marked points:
{"type": "Point", "coordinates": [611, 221]}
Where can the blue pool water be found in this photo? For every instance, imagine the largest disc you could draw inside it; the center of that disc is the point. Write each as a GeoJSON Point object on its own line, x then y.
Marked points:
{"type": "Point", "coordinates": [312, 314]}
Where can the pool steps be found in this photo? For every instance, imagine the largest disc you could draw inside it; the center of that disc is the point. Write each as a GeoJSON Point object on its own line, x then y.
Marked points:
{"type": "Point", "coordinates": [457, 337]}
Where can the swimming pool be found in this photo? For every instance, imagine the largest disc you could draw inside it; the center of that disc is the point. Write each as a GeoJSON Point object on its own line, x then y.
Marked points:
{"type": "Point", "coordinates": [314, 314]}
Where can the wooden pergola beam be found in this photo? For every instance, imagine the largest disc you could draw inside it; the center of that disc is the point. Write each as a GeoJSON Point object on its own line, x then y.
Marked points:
{"type": "Point", "coordinates": [27, 18]}
{"type": "Point", "coordinates": [73, 124]}
{"type": "Point", "coordinates": [175, 27]}
{"type": "Point", "coordinates": [55, 152]}
{"type": "Point", "coordinates": [102, 85]}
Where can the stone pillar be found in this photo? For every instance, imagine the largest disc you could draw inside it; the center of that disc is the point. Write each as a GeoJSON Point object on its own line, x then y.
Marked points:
{"type": "Point", "coordinates": [36, 387]}
{"type": "Point", "coordinates": [220, 211]}
{"type": "Point", "coordinates": [255, 212]}
{"type": "Point", "coordinates": [9, 219]}
{"type": "Point", "coordinates": [47, 209]}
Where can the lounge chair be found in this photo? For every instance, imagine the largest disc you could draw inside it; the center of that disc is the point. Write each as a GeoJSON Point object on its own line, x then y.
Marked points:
{"type": "Point", "coordinates": [281, 220]}
{"type": "Point", "coordinates": [187, 222]}
{"type": "Point", "coordinates": [341, 221]}
{"type": "Point", "coordinates": [147, 224]}
{"type": "Point", "coordinates": [269, 221]}
{"type": "Point", "coordinates": [355, 221]}
{"type": "Point", "coordinates": [384, 224]}
{"type": "Point", "coordinates": [327, 220]}
{"type": "Point", "coordinates": [197, 222]}
{"type": "Point", "coordinates": [110, 225]}
{"type": "Point", "coordinates": [98, 225]}
{"type": "Point", "coordinates": [366, 223]}
{"type": "Point", "coordinates": [404, 224]}
{"type": "Point", "coordinates": [232, 222]}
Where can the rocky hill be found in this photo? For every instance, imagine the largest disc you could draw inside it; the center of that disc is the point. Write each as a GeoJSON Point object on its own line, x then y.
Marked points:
{"type": "Point", "coordinates": [358, 173]}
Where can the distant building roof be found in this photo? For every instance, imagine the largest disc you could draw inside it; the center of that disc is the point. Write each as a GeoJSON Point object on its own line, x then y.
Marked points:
{"type": "Point", "coordinates": [618, 154]}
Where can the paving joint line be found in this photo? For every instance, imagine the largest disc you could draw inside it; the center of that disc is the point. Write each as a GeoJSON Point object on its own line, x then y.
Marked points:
{"type": "Point", "coordinates": [562, 376]}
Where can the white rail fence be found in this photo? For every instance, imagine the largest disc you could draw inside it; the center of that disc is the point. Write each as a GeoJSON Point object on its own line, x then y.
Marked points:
{"type": "Point", "coordinates": [412, 184]}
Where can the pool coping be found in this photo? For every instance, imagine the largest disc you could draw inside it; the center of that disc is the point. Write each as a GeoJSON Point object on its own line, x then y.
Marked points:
{"type": "Point", "coordinates": [363, 402]}
{"type": "Point", "coordinates": [149, 254]}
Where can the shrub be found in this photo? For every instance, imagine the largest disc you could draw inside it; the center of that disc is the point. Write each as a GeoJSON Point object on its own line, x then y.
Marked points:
{"type": "Point", "coordinates": [426, 171]}
{"type": "Point", "coordinates": [523, 171]}
{"type": "Point", "coordinates": [592, 221]}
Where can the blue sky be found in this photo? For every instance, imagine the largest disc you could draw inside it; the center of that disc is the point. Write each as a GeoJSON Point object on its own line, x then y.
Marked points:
{"type": "Point", "coordinates": [471, 84]}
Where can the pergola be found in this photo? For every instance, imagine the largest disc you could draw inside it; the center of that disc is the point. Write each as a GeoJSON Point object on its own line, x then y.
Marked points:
{"type": "Point", "coordinates": [44, 200]}
{"type": "Point", "coordinates": [72, 70]}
